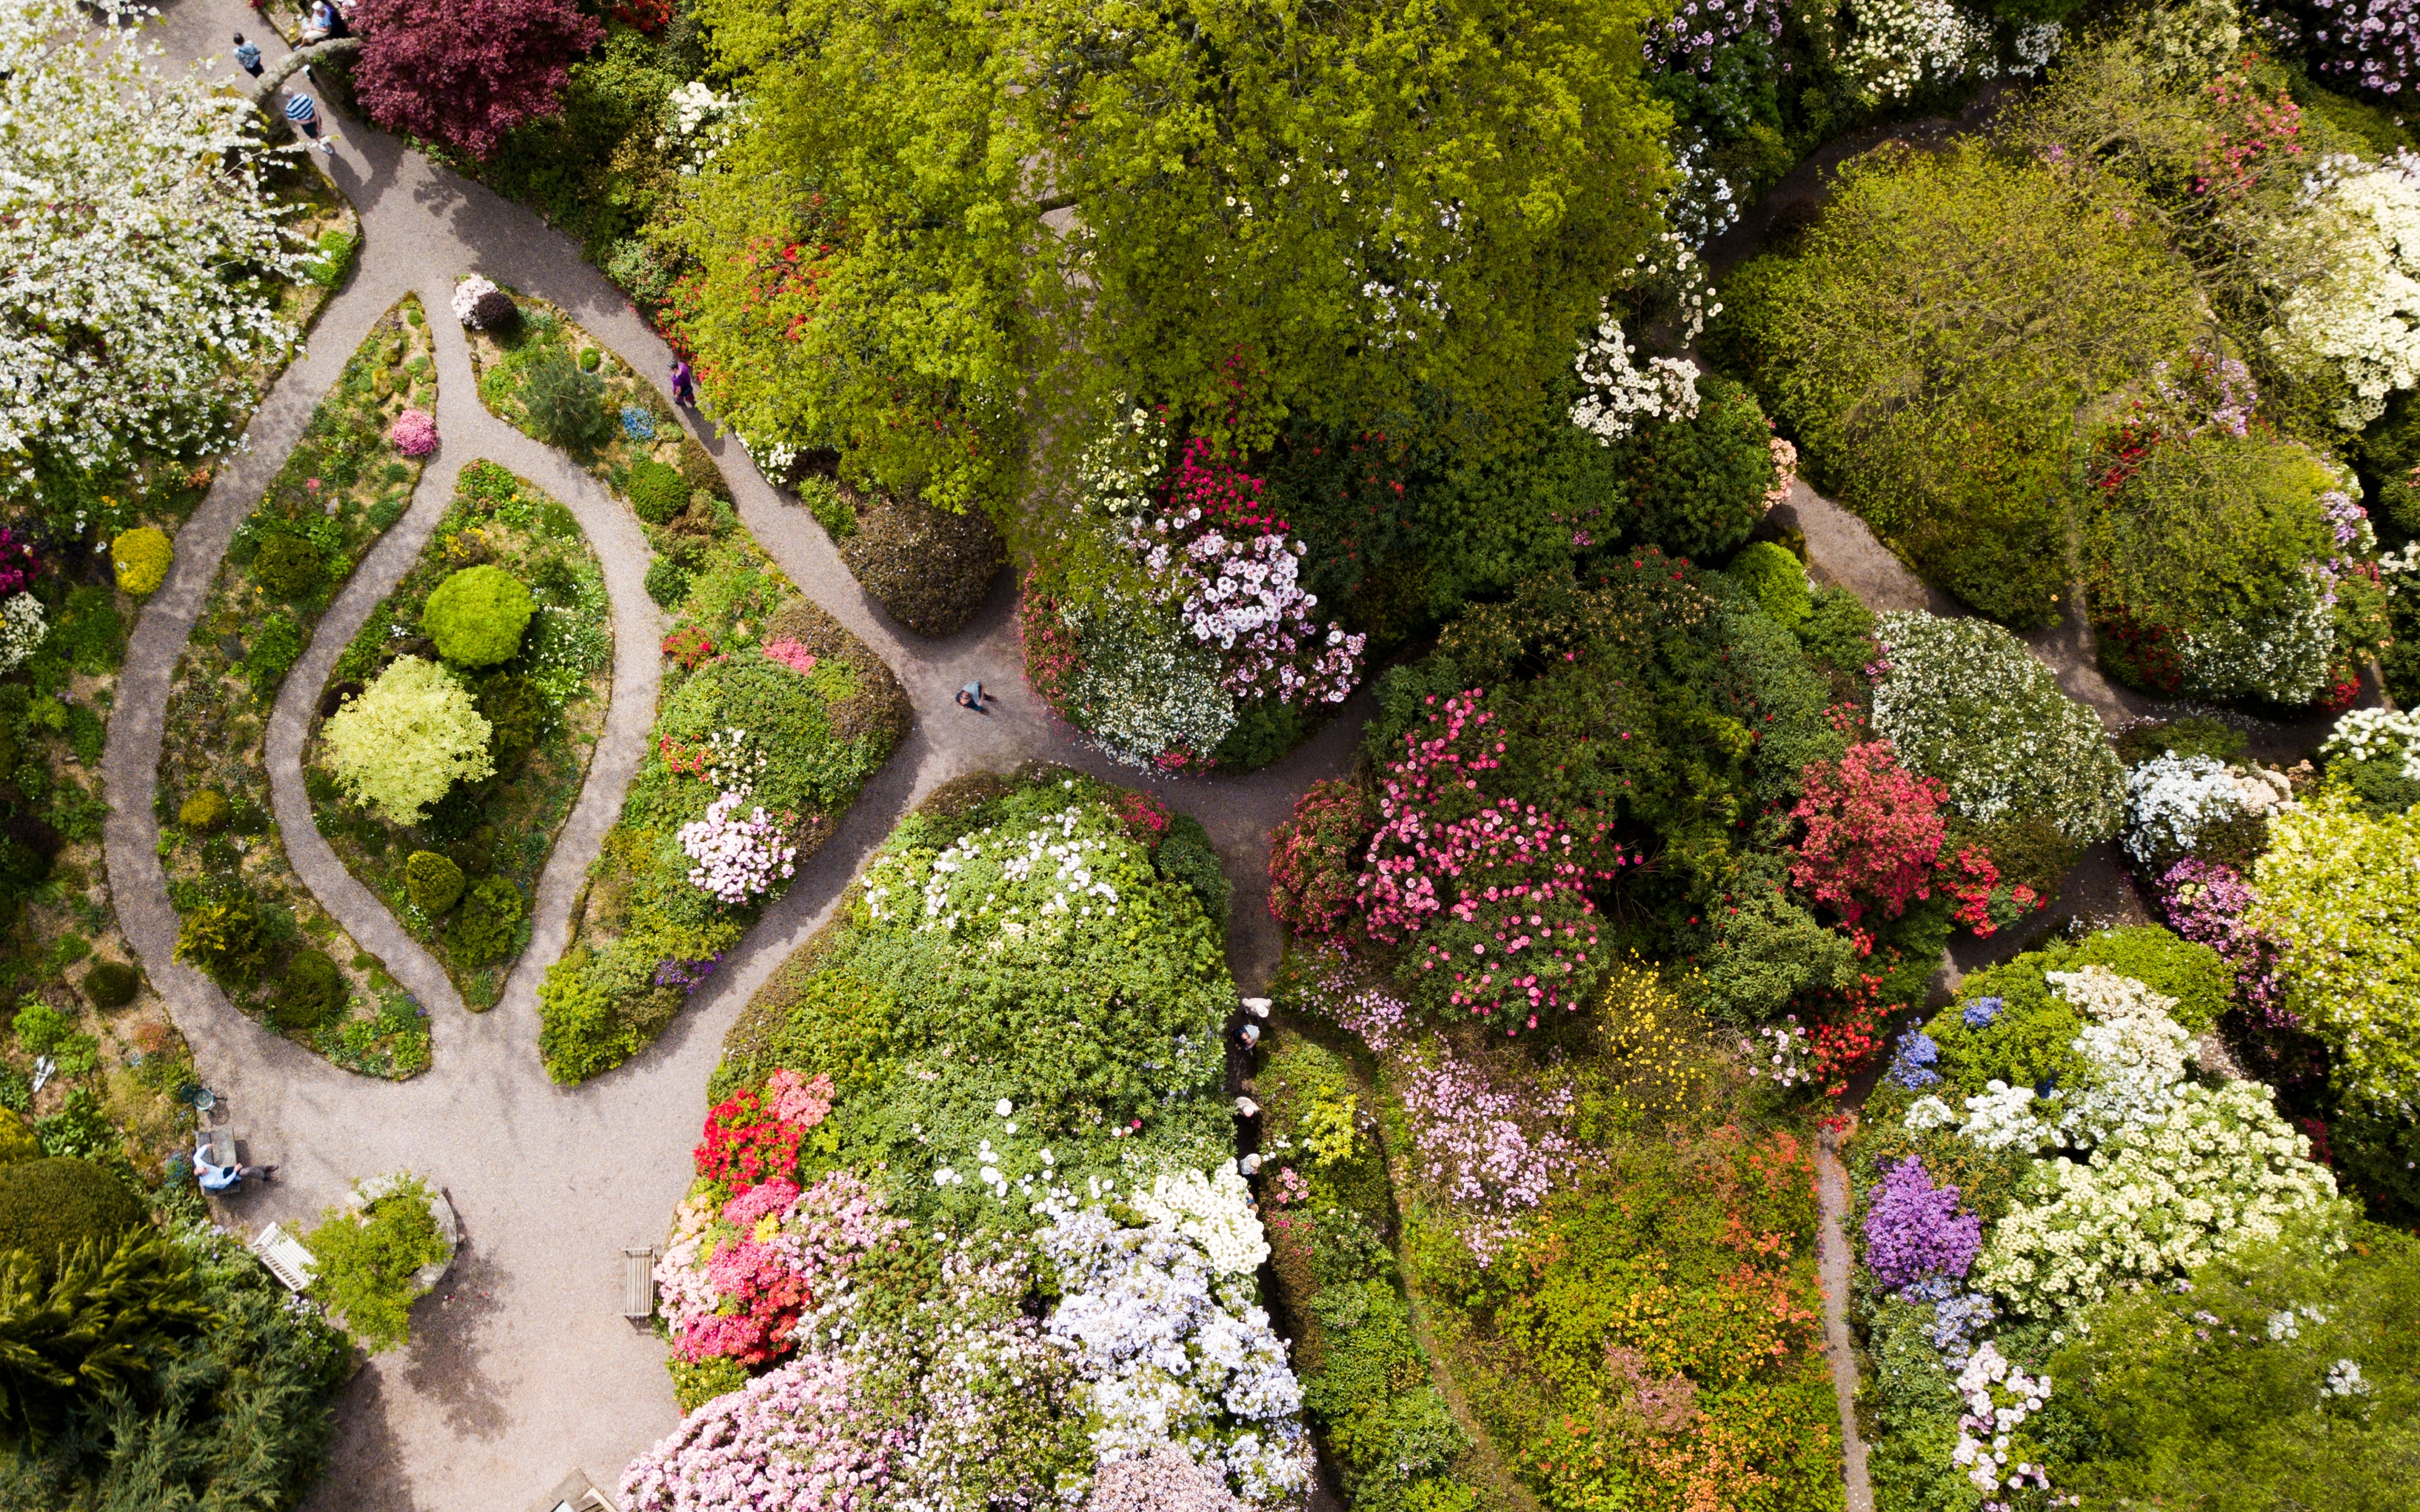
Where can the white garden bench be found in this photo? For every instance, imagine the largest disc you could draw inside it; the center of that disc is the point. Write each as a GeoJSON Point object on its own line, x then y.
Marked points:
{"type": "Point", "coordinates": [639, 1284]}
{"type": "Point", "coordinates": [286, 1258]}
{"type": "Point", "coordinates": [576, 1494]}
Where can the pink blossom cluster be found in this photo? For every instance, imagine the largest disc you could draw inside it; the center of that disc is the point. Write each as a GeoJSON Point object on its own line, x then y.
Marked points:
{"type": "Point", "coordinates": [413, 433]}
{"type": "Point", "coordinates": [802, 1439]}
{"type": "Point", "coordinates": [2206, 902]}
{"type": "Point", "coordinates": [1243, 594]}
{"type": "Point", "coordinates": [792, 655]}
{"type": "Point", "coordinates": [1496, 890]}
{"type": "Point", "coordinates": [735, 1281]}
{"type": "Point", "coordinates": [1485, 1144]}
{"type": "Point", "coordinates": [805, 1103]}
{"type": "Point", "coordinates": [1875, 832]}
{"type": "Point", "coordinates": [737, 859]}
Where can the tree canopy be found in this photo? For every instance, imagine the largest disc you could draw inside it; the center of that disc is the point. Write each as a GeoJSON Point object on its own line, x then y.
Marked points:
{"type": "Point", "coordinates": [466, 72]}
{"type": "Point", "coordinates": [944, 214]}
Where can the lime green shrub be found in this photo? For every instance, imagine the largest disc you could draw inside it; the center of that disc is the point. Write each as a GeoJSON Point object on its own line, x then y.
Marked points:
{"type": "Point", "coordinates": [206, 812]}
{"type": "Point", "coordinates": [434, 882]}
{"type": "Point", "coordinates": [18, 1142]}
{"type": "Point", "coordinates": [367, 1263]}
{"type": "Point", "coordinates": [478, 615]}
{"type": "Point", "coordinates": [141, 556]}
{"type": "Point", "coordinates": [1777, 579]}
{"type": "Point", "coordinates": [223, 941]}
{"type": "Point", "coordinates": [407, 739]}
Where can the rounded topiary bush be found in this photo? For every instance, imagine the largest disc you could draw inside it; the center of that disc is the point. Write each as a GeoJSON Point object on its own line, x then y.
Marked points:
{"type": "Point", "coordinates": [18, 1143]}
{"type": "Point", "coordinates": [484, 930]}
{"type": "Point", "coordinates": [478, 615]}
{"type": "Point", "coordinates": [111, 984]}
{"type": "Point", "coordinates": [657, 491]}
{"type": "Point", "coordinates": [697, 469]}
{"type": "Point", "coordinates": [311, 994]}
{"type": "Point", "coordinates": [667, 582]}
{"type": "Point", "coordinates": [287, 566]}
{"type": "Point", "coordinates": [48, 1206]}
{"type": "Point", "coordinates": [928, 567]}
{"type": "Point", "coordinates": [495, 313]}
{"type": "Point", "coordinates": [1777, 580]}
{"type": "Point", "coordinates": [434, 882]}
{"type": "Point", "coordinates": [141, 556]}
{"type": "Point", "coordinates": [206, 812]}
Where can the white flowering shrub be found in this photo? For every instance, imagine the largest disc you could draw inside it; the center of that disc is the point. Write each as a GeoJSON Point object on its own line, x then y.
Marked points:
{"type": "Point", "coordinates": [1213, 1209]}
{"type": "Point", "coordinates": [1999, 1397]}
{"type": "Point", "coordinates": [2135, 1050]}
{"type": "Point", "coordinates": [1903, 45]}
{"type": "Point", "coordinates": [22, 629]}
{"type": "Point", "coordinates": [1966, 702]}
{"type": "Point", "coordinates": [127, 200]}
{"type": "Point", "coordinates": [468, 291]}
{"type": "Point", "coordinates": [738, 859]}
{"type": "Point", "coordinates": [2362, 316]}
{"type": "Point", "coordinates": [1151, 695]}
{"type": "Point", "coordinates": [1621, 393]}
{"type": "Point", "coordinates": [2171, 799]}
{"type": "Point", "coordinates": [1170, 1353]}
{"type": "Point", "coordinates": [700, 122]}
{"type": "Point", "coordinates": [2219, 1170]}
{"type": "Point", "coordinates": [2364, 735]}
{"type": "Point", "coordinates": [2282, 656]}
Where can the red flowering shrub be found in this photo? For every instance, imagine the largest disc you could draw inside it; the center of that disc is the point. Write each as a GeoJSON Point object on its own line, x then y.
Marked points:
{"type": "Point", "coordinates": [746, 1144]}
{"type": "Point", "coordinates": [1848, 1033]}
{"type": "Point", "coordinates": [688, 646]}
{"type": "Point", "coordinates": [649, 16]}
{"type": "Point", "coordinates": [1053, 653]}
{"type": "Point", "coordinates": [1488, 895]}
{"type": "Point", "coordinates": [1227, 496]}
{"type": "Point", "coordinates": [1143, 817]}
{"type": "Point", "coordinates": [1312, 856]}
{"type": "Point", "coordinates": [466, 72]}
{"type": "Point", "coordinates": [1874, 833]}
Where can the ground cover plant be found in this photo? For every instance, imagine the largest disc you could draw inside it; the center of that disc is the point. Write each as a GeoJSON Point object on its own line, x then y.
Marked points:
{"type": "Point", "coordinates": [461, 872]}
{"type": "Point", "coordinates": [247, 921]}
{"type": "Point", "coordinates": [967, 1217]}
{"type": "Point", "coordinates": [771, 717]}
{"type": "Point", "coordinates": [1519, 1276]}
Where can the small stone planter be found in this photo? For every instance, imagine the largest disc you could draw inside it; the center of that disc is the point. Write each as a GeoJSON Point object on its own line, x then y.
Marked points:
{"type": "Point", "coordinates": [370, 1188]}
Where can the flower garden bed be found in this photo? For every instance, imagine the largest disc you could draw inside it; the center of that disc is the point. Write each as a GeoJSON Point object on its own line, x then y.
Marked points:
{"type": "Point", "coordinates": [1515, 1279]}
{"type": "Point", "coordinates": [1003, 1059]}
{"type": "Point", "coordinates": [771, 718]}
{"type": "Point", "coordinates": [544, 702]}
{"type": "Point", "coordinates": [248, 921]}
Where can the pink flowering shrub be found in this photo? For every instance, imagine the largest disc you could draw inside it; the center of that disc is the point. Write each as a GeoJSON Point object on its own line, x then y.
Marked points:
{"type": "Point", "coordinates": [1312, 856]}
{"type": "Point", "coordinates": [1486, 1142]}
{"type": "Point", "coordinates": [1488, 896]}
{"type": "Point", "coordinates": [792, 655]}
{"type": "Point", "coordinates": [803, 1439]}
{"type": "Point", "coordinates": [805, 1104]}
{"type": "Point", "coordinates": [738, 859]}
{"type": "Point", "coordinates": [1874, 833]}
{"type": "Point", "coordinates": [735, 1279]}
{"type": "Point", "coordinates": [2206, 902]}
{"type": "Point", "coordinates": [413, 433]}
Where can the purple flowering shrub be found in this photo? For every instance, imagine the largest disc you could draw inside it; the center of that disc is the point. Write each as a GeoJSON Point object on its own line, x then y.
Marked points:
{"type": "Point", "coordinates": [1913, 1229]}
{"type": "Point", "coordinates": [2373, 45]}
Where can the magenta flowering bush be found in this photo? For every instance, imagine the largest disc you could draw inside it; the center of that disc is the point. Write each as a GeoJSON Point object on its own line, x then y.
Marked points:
{"type": "Point", "coordinates": [803, 1439]}
{"type": "Point", "coordinates": [737, 859]}
{"type": "Point", "coordinates": [739, 1274]}
{"type": "Point", "coordinates": [413, 433]}
{"type": "Point", "coordinates": [1488, 896]}
{"type": "Point", "coordinates": [2206, 902]}
{"type": "Point", "coordinates": [1913, 1230]}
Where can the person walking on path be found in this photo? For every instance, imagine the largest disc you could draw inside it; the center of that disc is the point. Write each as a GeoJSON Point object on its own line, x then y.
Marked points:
{"type": "Point", "coordinates": [684, 384]}
{"type": "Point", "coordinates": [247, 55]}
{"type": "Point", "coordinates": [305, 118]}
{"type": "Point", "coordinates": [971, 696]}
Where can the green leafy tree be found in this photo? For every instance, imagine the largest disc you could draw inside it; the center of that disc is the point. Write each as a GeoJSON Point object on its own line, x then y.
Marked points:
{"type": "Point", "coordinates": [368, 1260]}
{"type": "Point", "coordinates": [946, 214]}
{"type": "Point", "coordinates": [409, 737]}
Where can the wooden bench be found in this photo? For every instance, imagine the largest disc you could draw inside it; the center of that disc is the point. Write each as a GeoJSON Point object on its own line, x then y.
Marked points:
{"type": "Point", "coordinates": [286, 1258]}
{"type": "Point", "coordinates": [219, 1143]}
{"type": "Point", "coordinates": [639, 1284]}
{"type": "Point", "coordinates": [576, 1494]}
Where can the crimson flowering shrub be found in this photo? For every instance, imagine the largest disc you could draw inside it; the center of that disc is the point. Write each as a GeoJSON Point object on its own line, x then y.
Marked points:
{"type": "Point", "coordinates": [1144, 818]}
{"type": "Point", "coordinates": [1228, 498]}
{"type": "Point", "coordinates": [1875, 832]}
{"type": "Point", "coordinates": [689, 646]}
{"type": "Point", "coordinates": [19, 565]}
{"type": "Point", "coordinates": [748, 1142]}
{"type": "Point", "coordinates": [1313, 855]}
{"type": "Point", "coordinates": [1489, 895]}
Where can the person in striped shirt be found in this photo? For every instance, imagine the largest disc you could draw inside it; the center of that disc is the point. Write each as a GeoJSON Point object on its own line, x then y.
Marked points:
{"type": "Point", "coordinates": [305, 118]}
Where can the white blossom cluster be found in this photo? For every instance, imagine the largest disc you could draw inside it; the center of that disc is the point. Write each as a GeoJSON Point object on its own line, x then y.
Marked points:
{"type": "Point", "coordinates": [1999, 1398]}
{"type": "Point", "coordinates": [701, 122]}
{"type": "Point", "coordinates": [2359, 736]}
{"type": "Point", "coordinates": [2136, 1051]}
{"type": "Point", "coordinates": [22, 629]}
{"type": "Point", "coordinates": [1170, 1353]}
{"type": "Point", "coordinates": [468, 291]}
{"type": "Point", "coordinates": [2362, 315]}
{"type": "Point", "coordinates": [1621, 393]}
{"type": "Point", "coordinates": [738, 859]}
{"type": "Point", "coordinates": [2282, 656]}
{"type": "Point", "coordinates": [1214, 1209]}
{"type": "Point", "coordinates": [1146, 694]}
{"type": "Point", "coordinates": [127, 204]}
{"type": "Point", "coordinates": [1965, 701]}
{"type": "Point", "coordinates": [1244, 595]}
{"type": "Point", "coordinates": [1004, 883]}
{"type": "Point", "coordinates": [1902, 45]}
{"type": "Point", "coordinates": [2171, 799]}
{"type": "Point", "coordinates": [1123, 464]}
